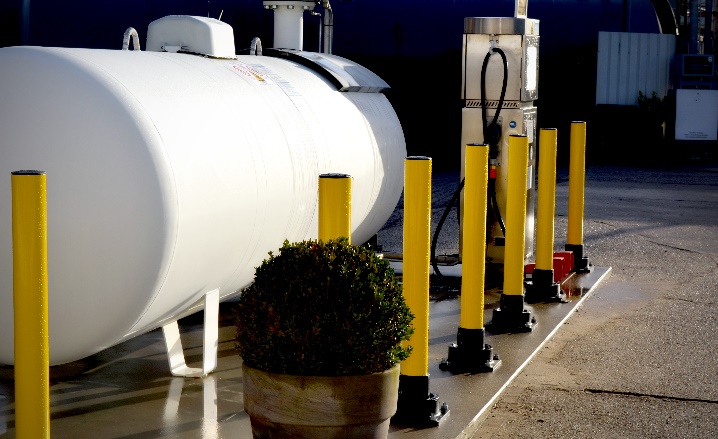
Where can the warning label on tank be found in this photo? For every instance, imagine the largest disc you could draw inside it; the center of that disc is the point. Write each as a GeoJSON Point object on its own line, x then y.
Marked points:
{"type": "Point", "coordinates": [250, 72]}
{"type": "Point", "coordinates": [262, 75]}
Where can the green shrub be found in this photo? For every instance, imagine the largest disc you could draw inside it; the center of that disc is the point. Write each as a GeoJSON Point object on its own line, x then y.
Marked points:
{"type": "Point", "coordinates": [323, 309]}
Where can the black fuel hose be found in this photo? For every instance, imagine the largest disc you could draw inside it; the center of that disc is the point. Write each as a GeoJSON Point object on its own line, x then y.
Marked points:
{"type": "Point", "coordinates": [444, 215]}
{"type": "Point", "coordinates": [493, 142]}
{"type": "Point", "coordinates": [495, 207]}
{"type": "Point", "coordinates": [493, 132]}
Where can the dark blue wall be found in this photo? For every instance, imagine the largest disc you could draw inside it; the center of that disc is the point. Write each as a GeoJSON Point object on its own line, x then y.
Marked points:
{"type": "Point", "coordinates": [415, 45]}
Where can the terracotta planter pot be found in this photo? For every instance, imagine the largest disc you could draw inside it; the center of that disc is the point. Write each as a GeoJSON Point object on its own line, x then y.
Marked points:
{"type": "Point", "coordinates": [318, 407]}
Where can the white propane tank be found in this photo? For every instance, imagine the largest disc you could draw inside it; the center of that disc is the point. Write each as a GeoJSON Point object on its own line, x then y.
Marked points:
{"type": "Point", "coordinates": [172, 174]}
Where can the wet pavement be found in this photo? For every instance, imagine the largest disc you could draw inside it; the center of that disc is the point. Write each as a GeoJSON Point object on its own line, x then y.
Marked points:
{"type": "Point", "coordinates": [126, 391]}
{"type": "Point", "coordinates": [635, 358]}
{"type": "Point", "coordinates": [468, 395]}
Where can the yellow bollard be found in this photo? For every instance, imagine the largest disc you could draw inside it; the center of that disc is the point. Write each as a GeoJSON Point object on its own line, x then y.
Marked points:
{"type": "Point", "coordinates": [474, 220]}
{"type": "Point", "coordinates": [516, 216]}
{"type": "Point", "coordinates": [417, 224]}
{"type": "Point", "coordinates": [469, 353]}
{"type": "Point", "coordinates": [335, 206]}
{"type": "Point", "coordinates": [546, 208]}
{"type": "Point", "coordinates": [576, 187]}
{"type": "Point", "coordinates": [416, 406]}
{"type": "Point", "coordinates": [576, 182]}
{"type": "Point", "coordinates": [32, 352]}
{"type": "Point", "coordinates": [542, 287]}
{"type": "Point", "coordinates": [511, 315]}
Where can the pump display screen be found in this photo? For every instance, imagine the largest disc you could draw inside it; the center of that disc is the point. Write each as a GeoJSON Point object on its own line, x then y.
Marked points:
{"type": "Point", "coordinates": [697, 65]}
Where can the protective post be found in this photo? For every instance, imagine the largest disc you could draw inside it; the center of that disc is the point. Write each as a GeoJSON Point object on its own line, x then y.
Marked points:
{"type": "Point", "coordinates": [511, 316]}
{"type": "Point", "coordinates": [473, 267]}
{"type": "Point", "coordinates": [30, 302]}
{"type": "Point", "coordinates": [335, 206]}
{"type": "Point", "coordinates": [542, 287]}
{"type": "Point", "coordinates": [470, 353]}
{"type": "Point", "coordinates": [416, 406]}
{"type": "Point", "coordinates": [576, 187]}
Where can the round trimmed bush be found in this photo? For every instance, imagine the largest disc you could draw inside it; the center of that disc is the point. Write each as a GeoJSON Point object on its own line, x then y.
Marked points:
{"type": "Point", "coordinates": [323, 308]}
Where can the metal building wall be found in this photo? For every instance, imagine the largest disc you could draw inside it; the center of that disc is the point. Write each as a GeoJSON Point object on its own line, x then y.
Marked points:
{"type": "Point", "coordinates": [633, 62]}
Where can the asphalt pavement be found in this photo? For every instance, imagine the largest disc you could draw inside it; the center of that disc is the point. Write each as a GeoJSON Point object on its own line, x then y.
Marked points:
{"type": "Point", "coordinates": [639, 358]}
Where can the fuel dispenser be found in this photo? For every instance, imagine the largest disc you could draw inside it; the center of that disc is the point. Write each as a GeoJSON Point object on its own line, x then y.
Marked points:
{"type": "Point", "coordinates": [499, 86]}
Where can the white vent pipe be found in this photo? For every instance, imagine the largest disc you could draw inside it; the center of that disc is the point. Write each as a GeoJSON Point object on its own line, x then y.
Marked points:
{"type": "Point", "coordinates": [288, 22]}
{"type": "Point", "coordinates": [328, 27]}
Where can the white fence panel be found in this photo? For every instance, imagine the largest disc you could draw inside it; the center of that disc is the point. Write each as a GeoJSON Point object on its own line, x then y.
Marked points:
{"type": "Point", "coordinates": [633, 62]}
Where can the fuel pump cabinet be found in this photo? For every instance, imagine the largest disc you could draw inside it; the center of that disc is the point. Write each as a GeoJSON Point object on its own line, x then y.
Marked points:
{"type": "Point", "coordinates": [500, 83]}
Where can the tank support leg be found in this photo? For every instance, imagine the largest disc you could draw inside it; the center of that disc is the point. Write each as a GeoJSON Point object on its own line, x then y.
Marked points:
{"type": "Point", "coordinates": [173, 343]}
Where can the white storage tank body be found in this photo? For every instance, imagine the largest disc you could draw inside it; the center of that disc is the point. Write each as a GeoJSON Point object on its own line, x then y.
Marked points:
{"type": "Point", "coordinates": [172, 174]}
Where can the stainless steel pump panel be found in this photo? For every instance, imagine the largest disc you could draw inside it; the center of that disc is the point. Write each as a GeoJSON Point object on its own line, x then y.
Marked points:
{"type": "Point", "coordinates": [519, 39]}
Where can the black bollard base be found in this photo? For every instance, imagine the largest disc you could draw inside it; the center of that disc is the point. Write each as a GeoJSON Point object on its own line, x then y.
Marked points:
{"type": "Point", "coordinates": [416, 406]}
{"type": "Point", "coordinates": [511, 316]}
{"type": "Point", "coordinates": [470, 353]}
{"type": "Point", "coordinates": [542, 288]}
{"type": "Point", "coordinates": [580, 262]}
